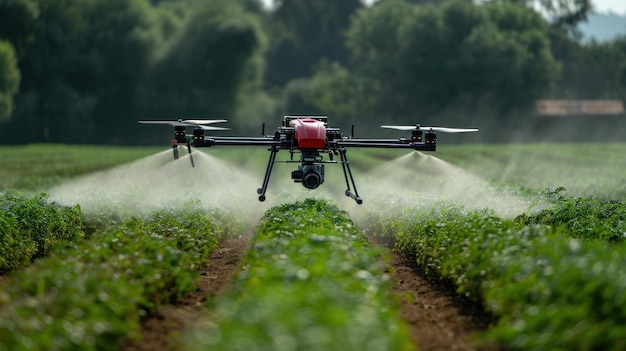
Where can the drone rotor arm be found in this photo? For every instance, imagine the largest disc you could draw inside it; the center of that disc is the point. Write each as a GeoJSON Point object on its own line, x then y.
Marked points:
{"type": "Point", "coordinates": [211, 127]}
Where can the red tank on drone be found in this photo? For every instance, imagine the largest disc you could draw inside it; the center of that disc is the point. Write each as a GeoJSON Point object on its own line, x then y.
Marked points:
{"type": "Point", "coordinates": [309, 133]}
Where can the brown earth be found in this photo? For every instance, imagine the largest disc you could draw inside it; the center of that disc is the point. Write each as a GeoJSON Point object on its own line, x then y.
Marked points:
{"type": "Point", "coordinates": [161, 330]}
{"type": "Point", "coordinates": [437, 317]}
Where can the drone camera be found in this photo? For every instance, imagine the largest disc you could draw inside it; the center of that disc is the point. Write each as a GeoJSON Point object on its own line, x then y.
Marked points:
{"type": "Point", "coordinates": [311, 176]}
{"type": "Point", "coordinates": [180, 134]}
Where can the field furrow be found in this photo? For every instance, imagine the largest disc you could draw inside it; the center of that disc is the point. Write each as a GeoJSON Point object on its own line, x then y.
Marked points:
{"type": "Point", "coordinates": [162, 330]}
{"type": "Point", "coordinates": [309, 282]}
{"type": "Point", "coordinates": [438, 318]}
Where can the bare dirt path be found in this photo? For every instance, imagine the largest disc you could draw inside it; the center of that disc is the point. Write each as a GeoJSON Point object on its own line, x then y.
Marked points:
{"type": "Point", "coordinates": [161, 330]}
{"type": "Point", "coordinates": [438, 318]}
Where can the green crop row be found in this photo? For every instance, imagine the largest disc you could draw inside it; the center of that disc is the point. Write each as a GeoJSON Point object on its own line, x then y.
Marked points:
{"type": "Point", "coordinates": [31, 227]}
{"type": "Point", "coordinates": [549, 290]}
{"type": "Point", "coordinates": [584, 218]}
{"type": "Point", "coordinates": [92, 295]}
{"type": "Point", "coordinates": [310, 282]}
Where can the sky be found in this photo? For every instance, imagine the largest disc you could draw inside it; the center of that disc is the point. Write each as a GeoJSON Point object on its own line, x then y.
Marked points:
{"type": "Point", "coordinates": [616, 6]}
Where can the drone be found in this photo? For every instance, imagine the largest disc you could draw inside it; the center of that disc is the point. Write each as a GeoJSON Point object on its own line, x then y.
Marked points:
{"type": "Point", "coordinates": [308, 136]}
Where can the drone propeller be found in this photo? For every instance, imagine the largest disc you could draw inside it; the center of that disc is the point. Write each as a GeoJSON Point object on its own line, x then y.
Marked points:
{"type": "Point", "coordinates": [184, 122]}
{"type": "Point", "coordinates": [198, 123]}
{"type": "Point", "coordinates": [435, 129]}
{"type": "Point", "coordinates": [203, 121]}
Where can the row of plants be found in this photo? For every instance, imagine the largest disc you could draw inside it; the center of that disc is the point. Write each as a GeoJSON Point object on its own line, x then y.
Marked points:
{"type": "Point", "coordinates": [30, 227]}
{"type": "Point", "coordinates": [548, 289]}
{"type": "Point", "coordinates": [310, 282]}
{"type": "Point", "coordinates": [584, 218]}
{"type": "Point", "coordinates": [92, 294]}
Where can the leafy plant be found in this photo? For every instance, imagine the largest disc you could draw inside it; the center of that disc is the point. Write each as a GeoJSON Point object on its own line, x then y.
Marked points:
{"type": "Point", "coordinates": [92, 295]}
{"type": "Point", "coordinates": [584, 218]}
{"type": "Point", "coordinates": [549, 289]}
{"type": "Point", "coordinates": [32, 227]}
{"type": "Point", "coordinates": [310, 282]}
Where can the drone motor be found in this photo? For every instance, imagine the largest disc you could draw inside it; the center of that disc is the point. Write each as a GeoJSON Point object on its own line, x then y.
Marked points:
{"type": "Point", "coordinates": [198, 137]}
{"type": "Point", "coordinates": [180, 134]}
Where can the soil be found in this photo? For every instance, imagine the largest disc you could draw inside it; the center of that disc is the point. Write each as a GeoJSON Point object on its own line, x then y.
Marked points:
{"type": "Point", "coordinates": [437, 317]}
{"type": "Point", "coordinates": [161, 330]}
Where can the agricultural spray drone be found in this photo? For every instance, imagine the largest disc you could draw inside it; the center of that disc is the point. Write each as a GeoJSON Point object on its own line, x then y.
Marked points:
{"type": "Point", "coordinates": [308, 136]}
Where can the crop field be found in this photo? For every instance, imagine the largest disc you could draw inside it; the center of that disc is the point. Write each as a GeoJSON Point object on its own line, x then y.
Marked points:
{"type": "Point", "coordinates": [474, 247]}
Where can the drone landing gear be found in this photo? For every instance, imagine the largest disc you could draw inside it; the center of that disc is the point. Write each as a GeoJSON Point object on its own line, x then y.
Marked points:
{"type": "Point", "coordinates": [268, 172]}
{"type": "Point", "coordinates": [175, 149]}
{"type": "Point", "coordinates": [189, 150]}
{"type": "Point", "coordinates": [348, 173]}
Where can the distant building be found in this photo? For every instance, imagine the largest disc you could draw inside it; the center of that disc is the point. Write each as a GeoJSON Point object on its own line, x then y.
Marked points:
{"type": "Point", "coordinates": [559, 108]}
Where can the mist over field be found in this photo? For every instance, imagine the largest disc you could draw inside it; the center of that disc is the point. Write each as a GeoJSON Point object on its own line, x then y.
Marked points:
{"type": "Point", "coordinates": [476, 177]}
{"type": "Point", "coordinates": [158, 181]}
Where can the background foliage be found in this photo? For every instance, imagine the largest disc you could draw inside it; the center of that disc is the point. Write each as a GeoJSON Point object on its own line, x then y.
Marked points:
{"type": "Point", "coordinates": [86, 71]}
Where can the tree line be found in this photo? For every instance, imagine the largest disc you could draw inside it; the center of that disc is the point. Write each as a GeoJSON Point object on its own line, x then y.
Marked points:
{"type": "Point", "coordinates": [84, 71]}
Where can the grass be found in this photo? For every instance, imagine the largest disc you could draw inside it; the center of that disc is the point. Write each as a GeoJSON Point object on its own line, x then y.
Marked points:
{"type": "Point", "coordinates": [38, 166]}
{"type": "Point", "coordinates": [583, 169]}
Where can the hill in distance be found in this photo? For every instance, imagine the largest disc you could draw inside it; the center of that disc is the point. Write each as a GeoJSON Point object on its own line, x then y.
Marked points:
{"type": "Point", "coordinates": [603, 26]}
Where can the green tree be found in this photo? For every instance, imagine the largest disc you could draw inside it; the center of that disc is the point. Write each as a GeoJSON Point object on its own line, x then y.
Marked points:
{"type": "Point", "coordinates": [594, 70]}
{"type": "Point", "coordinates": [457, 56]}
{"type": "Point", "coordinates": [17, 22]}
{"type": "Point", "coordinates": [9, 79]}
{"type": "Point", "coordinates": [94, 67]}
{"type": "Point", "coordinates": [45, 95]}
{"type": "Point", "coordinates": [81, 70]}
{"type": "Point", "coordinates": [565, 14]}
{"type": "Point", "coordinates": [303, 32]}
{"type": "Point", "coordinates": [111, 58]}
{"type": "Point", "coordinates": [333, 91]}
{"type": "Point", "coordinates": [207, 67]}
